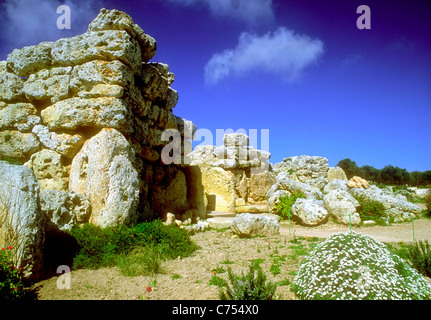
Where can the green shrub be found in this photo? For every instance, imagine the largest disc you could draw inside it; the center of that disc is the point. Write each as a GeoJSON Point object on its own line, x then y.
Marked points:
{"type": "Point", "coordinates": [11, 287]}
{"type": "Point", "coordinates": [102, 247]}
{"type": "Point", "coordinates": [372, 210]}
{"type": "Point", "coordinates": [428, 202]}
{"type": "Point", "coordinates": [419, 256]}
{"type": "Point", "coordinates": [353, 266]}
{"type": "Point", "coordinates": [141, 261]}
{"type": "Point", "coordinates": [249, 286]}
{"type": "Point", "coordinates": [284, 207]}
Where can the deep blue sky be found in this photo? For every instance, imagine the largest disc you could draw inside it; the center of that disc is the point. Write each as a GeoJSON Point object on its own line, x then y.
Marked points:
{"type": "Point", "coordinates": [300, 68]}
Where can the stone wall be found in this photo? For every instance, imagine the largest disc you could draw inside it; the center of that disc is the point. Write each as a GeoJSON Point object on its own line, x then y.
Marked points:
{"type": "Point", "coordinates": [235, 176]}
{"type": "Point", "coordinates": [86, 115]}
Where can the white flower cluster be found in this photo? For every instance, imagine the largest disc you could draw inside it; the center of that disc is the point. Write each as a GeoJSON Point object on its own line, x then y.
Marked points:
{"type": "Point", "coordinates": [353, 266]}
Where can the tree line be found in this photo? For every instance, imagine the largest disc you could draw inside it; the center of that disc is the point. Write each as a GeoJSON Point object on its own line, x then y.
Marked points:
{"type": "Point", "coordinates": [389, 175]}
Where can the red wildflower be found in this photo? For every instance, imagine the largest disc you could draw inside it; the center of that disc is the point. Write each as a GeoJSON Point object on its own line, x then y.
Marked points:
{"type": "Point", "coordinates": [10, 248]}
{"type": "Point", "coordinates": [149, 289]}
{"type": "Point", "coordinates": [16, 288]}
{"type": "Point", "coordinates": [2, 249]}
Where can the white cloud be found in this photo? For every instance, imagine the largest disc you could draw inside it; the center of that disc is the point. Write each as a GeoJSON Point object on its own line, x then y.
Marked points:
{"type": "Point", "coordinates": [24, 22]}
{"type": "Point", "coordinates": [282, 53]}
{"type": "Point", "coordinates": [250, 11]}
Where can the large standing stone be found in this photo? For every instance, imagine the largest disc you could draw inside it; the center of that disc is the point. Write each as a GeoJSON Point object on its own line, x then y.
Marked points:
{"type": "Point", "coordinates": [21, 222]}
{"type": "Point", "coordinates": [259, 184]}
{"type": "Point", "coordinates": [104, 171]}
{"type": "Point", "coordinates": [220, 188]}
{"type": "Point", "coordinates": [341, 205]}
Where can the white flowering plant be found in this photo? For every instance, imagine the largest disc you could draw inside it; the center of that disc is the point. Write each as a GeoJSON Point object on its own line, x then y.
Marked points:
{"type": "Point", "coordinates": [353, 266]}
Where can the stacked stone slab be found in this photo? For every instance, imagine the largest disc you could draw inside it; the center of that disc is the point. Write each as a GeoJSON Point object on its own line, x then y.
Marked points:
{"type": "Point", "coordinates": [86, 115]}
{"type": "Point", "coordinates": [235, 176]}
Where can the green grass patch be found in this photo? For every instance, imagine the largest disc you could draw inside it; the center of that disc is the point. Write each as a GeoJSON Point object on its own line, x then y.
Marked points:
{"type": "Point", "coordinates": [126, 246]}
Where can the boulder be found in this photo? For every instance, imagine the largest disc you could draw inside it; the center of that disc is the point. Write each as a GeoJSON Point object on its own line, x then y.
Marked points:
{"type": "Point", "coordinates": [399, 209]}
{"type": "Point", "coordinates": [11, 87]}
{"type": "Point", "coordinates": [334, 185]}
{"type": "Point", "coordinates": [21, 221]}
{"type": "Point", "coordinates": [309, 212]}
{"type": "Point", "coordinates": [285, 183]}
{"type": "Point", "coordinates": [358, 182]}
{"type": "Point", "coordinates": [17, 145]}
{"type": "Point", "coordinates": [342, 206]}
{"type": "Point", "coordinates": [336, 173]}
{"type": "Point", "coordinates": [18, 116]}
{"type": "Point", "coordinates": [169, 192]}
{"type": "Point", "coordinates": [305, 168]}
{"type": "Point", "coordinates": [65, 144]}
{"type": "Point", "coordinates": [249, 225]}
{"type": "Point", "coordinates": [64, 210]}
{"type": "Point", "coordinates": [49, 169]}
{"type": "Point", "coordinates": [104, 171]}
{"type": "Point", "coordinates": [169, 220]}
{"type": "Point", "coordinates": [274, 199]}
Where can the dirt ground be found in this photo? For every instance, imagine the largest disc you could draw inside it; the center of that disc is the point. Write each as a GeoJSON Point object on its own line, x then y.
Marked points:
{"type": "Point", "coordinates": [188, 278]}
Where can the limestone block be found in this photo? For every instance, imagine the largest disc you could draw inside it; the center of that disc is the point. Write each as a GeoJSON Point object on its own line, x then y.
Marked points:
{"type": "Point", "coordinates": [117, 20]}
{"type": "Point", "coordinates": [73, 113]}
{"type": "Point", "coordinates": [30, 59]}
{"type": "Point", "coordinates": [49, 170]}
{"type": "Point", "coordinates": [65, 144]}
{"type": "Point", "coordinates": [104, 171]}
{"type": "Point", "coordinates": [17, 145]}
{"type": "Point", "coordinates": [99, 45]}
{"type": "Point", "coordinates": [22, 225]}
{"type": "Point", "coordinates": [18, 116]}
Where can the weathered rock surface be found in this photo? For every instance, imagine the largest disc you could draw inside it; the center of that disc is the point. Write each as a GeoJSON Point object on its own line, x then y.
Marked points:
{"type": "Point", "coordinates": [309, 212]}
{"type": "Point", "coordinates": [21, 221]}
{"type": "Point", "coordinates": [248, 225]}
{"type": "Point", "coordinates": [336, 173]}
{"type": "Point", "coordinates": [104, 171]}
{"type": "Point", "coordinates": [342, 206]}
{"type": "Point", "coordinates": [64, 210]}
{"type": "Point", "coordinates": [358, 182]}
{"type": "Point", "coordinates": [334, 185]}
{"type": "Point", "coordinates": [400, 210]}
{"type": "Point", "coordinates": [303, 168]}
{"type": "Point", "coordinates": [49, 170]}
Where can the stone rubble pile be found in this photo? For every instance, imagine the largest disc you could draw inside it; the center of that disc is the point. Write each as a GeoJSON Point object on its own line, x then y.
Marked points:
{"type": "Point", "coordinates": [235, 176]}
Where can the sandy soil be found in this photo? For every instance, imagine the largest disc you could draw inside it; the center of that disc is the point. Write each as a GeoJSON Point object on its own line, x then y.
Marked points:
{"type": "Point", "coordinates": [188, 278]}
